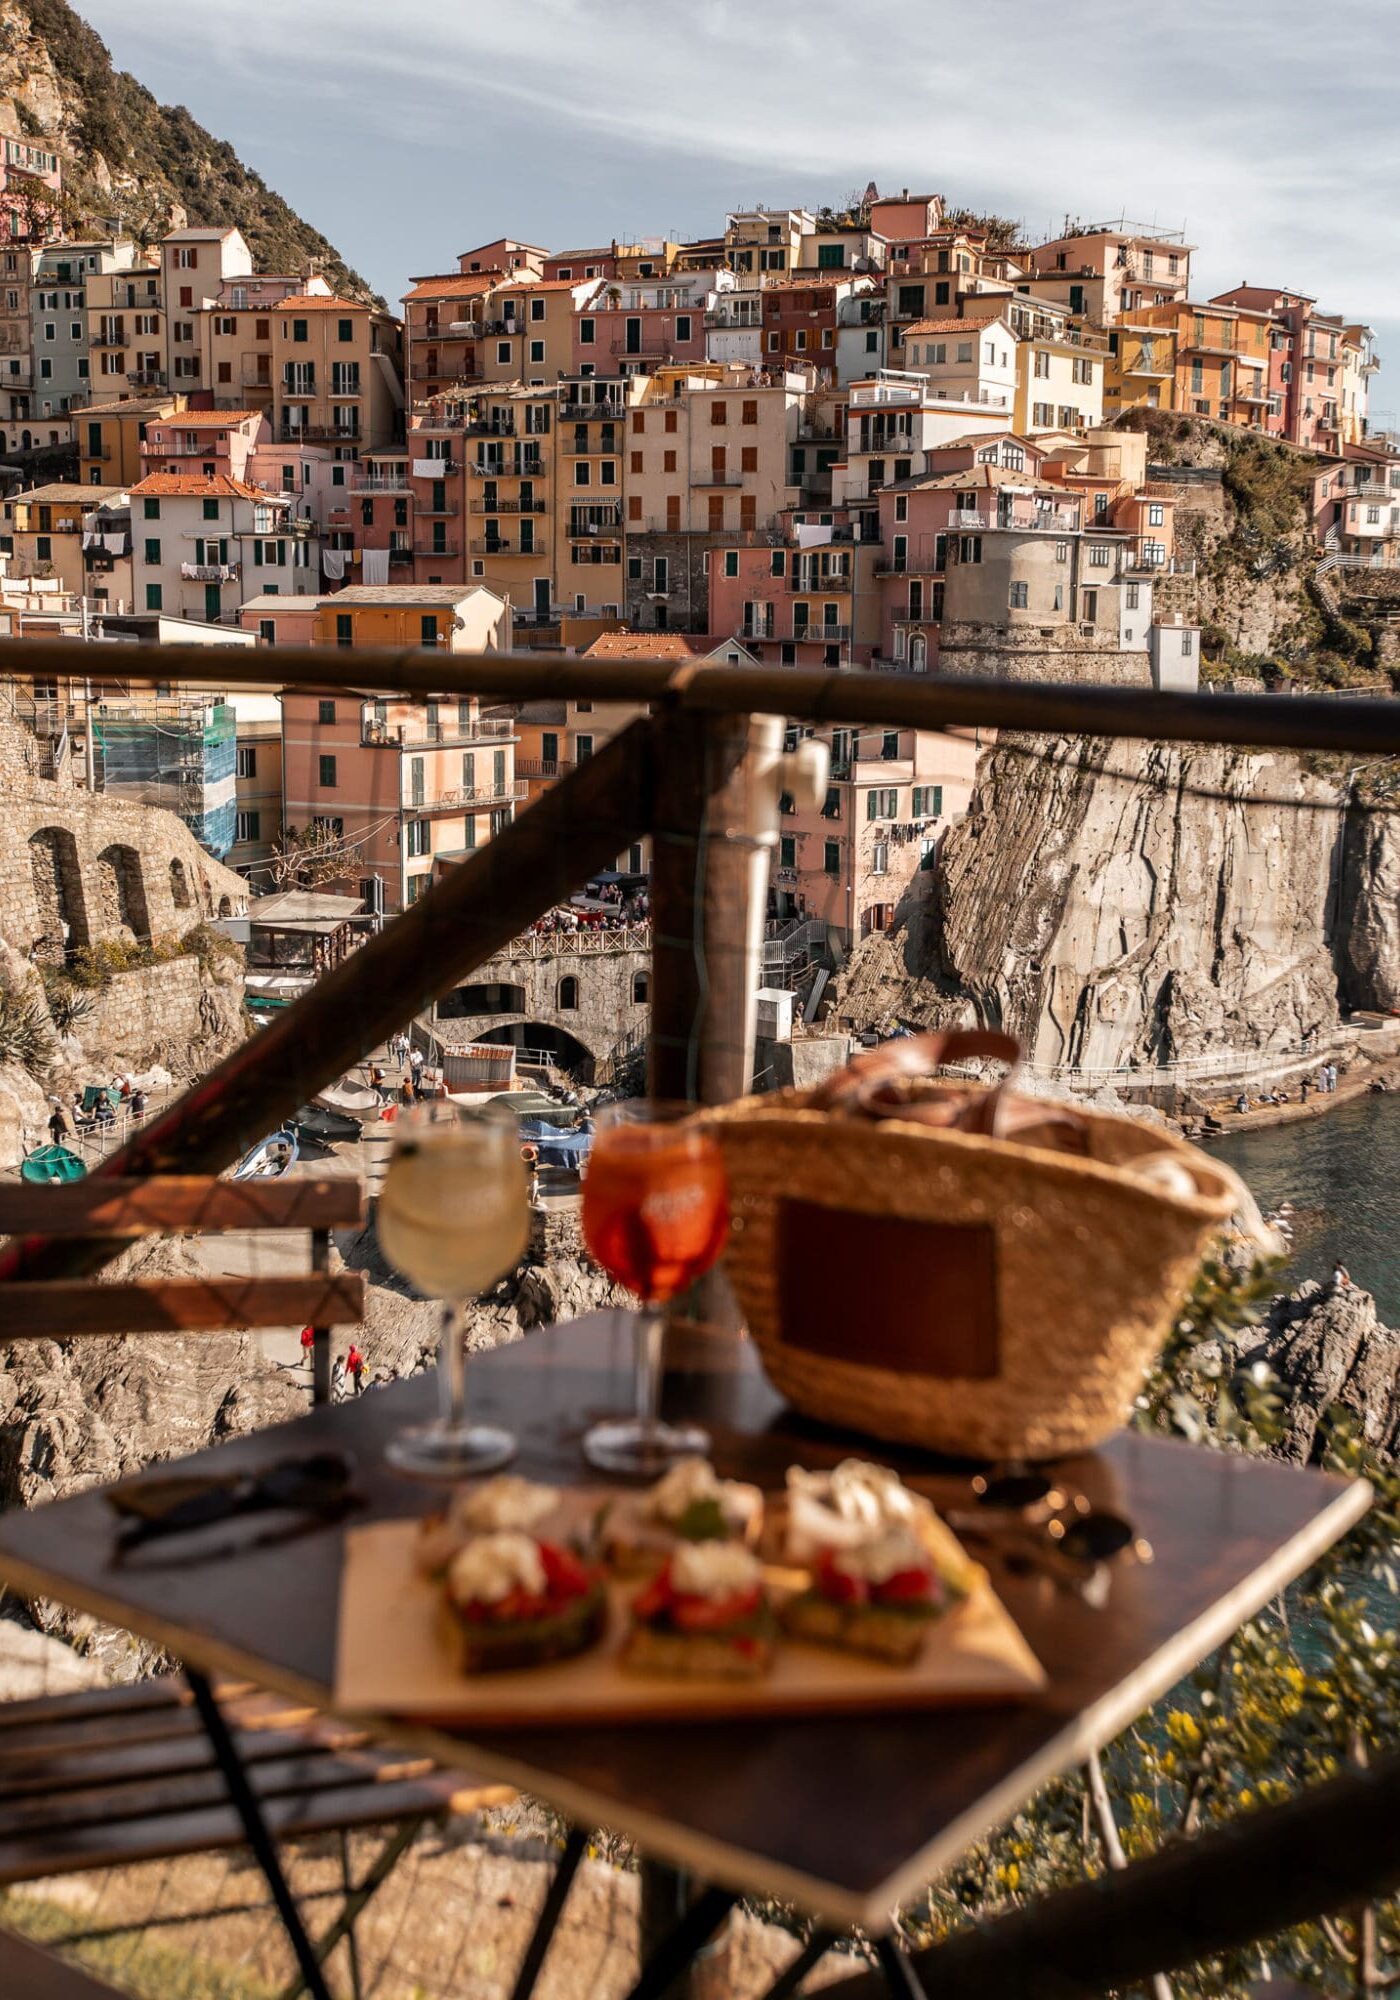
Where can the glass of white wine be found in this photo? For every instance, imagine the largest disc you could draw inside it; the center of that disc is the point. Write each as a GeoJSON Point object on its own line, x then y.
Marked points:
{"type": "Point", "coordinates": [453, 1216]}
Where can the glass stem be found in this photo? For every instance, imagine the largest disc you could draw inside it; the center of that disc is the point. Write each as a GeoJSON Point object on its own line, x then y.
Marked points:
{"type": "Point", "coordinates": [651, 1325]}
{"type": "Point", "coordinates": [452, 1366]}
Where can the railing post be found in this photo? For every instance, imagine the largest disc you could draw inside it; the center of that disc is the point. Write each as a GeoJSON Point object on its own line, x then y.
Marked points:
{"type": "Point", "coordinates": [702, 1007]}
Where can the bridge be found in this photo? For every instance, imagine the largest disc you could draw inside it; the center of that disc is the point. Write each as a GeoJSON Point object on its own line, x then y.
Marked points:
{"type": "Point", "coordinates": [581, 998]}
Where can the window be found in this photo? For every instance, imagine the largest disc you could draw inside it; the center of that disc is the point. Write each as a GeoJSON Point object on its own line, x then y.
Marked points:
{"type": "Point", "coordinates": [1042, 362]}
{"type": "Point", "coordinates": [889, 745]}
{"type": "Point", "coordinates": [1130, 597]}
{"type": "Point", "coordinates": [1020, 597]}
{"type": "Point", "coordinates": [831, 857]}
{"type": "Point", "coordinates": [1188, 644]}
{"type": "Point", "coordinates": [247, 826]}
{"type": "Point", "coordinates": [153, 597]}
{"type": "Point", "coordinates": [537, 350]}
{"type": "Point", "coordinates": [502, 351]}
{"type": "Point", "coordinates": [928, 801]}
{"type": "Point", "coordinates": [641, 989]}
{"type": "Point", "coordinates": [419, 838]}
{"type": "Point", "coordinates": [964, 350]}
{"type": "Point", "coordinates": [247, 760]}
{"type": "Point", "coordinates": [1062, 552]}
{"type": "Point", "coordinates": [267, 631]}
{"type": "Point", "coordinates": [568, 994]}
{"type": "Point", "coordinates": [669, 420]}
{"type": "Point", "coordinates": [537, 308]}
{"type": "Point", "coordinates": [300, 332]}
{"type": "Point", "coordinates": [1043, 415]}
{"type": "Point", "coordinates": [327, 772]}
{"type": "Point", "coordinates": [1156, 514]}
{"type": "Point", "coordinates": [211, 510]}
{"type": "Point", "coordinates": [587, 329]}
{"type": "Point", "coordinates": [882, 802]}
{"type": "Point", "coordinates": [1100, 555]}
{"type": "Point", "coordinates": [153, 553]}
{"type": "Point", "coordinates": [719, 414]}
{"type": "Point", "coordinates": [787, 851]}
{"type": "Point", "coordinates": [731, 561]}
{"type": "Point", "coordinates": [831, 805]}
{"type": "Point", "coordinates": [880, 858]}
{"type": "Point", "coordinates": [583, 749]}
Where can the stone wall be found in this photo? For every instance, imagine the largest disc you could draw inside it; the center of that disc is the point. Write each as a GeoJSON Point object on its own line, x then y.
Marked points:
{"type": "Point", "coordinates": [77, 867]}
{"type": "Point", "coordinates": [687, 607]}
{"type": "Point", "coordinates": [1061, 653]}
{"type": "Point", "coordinates": [533, 991]}
{"type": "Point", "coordinates": [183, 1015]}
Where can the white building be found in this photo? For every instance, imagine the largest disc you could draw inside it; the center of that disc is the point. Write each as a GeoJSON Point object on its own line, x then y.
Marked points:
{"type": "Point", "coordinates": [963, 360]}
{"type": "Point", "coordinates": [202, 547]}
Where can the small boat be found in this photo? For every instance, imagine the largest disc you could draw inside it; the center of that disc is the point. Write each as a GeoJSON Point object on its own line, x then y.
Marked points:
{"type": "Point", "coordinates": [51, 1166]}
{"type": "Point", "coordinates": [270, 1158]}
{"type": "Point", "coordinates": [329, 1127]}
{"type": "Point", "coordinates": [349, 1099]}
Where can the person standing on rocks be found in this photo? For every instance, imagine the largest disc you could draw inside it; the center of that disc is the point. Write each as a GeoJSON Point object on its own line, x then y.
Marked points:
{"type": "Point", "coordinates": [308, 1343]}
{"type": "Point", "coordinates": [355, 1367]}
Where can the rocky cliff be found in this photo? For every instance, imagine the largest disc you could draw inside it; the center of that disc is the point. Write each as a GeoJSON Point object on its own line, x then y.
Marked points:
{"type": "Point", "coordinates": [1327, 1347]}
{"type": "Point", "coordinates": [130, 161]}
{"type": "Point", "coordinates": [1118, 903]}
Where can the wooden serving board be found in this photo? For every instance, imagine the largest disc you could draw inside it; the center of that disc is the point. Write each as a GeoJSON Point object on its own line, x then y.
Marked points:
{"type": "Point", "coordinates": [393, 1658]}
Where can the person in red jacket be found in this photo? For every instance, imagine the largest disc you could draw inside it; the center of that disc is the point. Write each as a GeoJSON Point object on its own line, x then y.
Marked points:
{"type": "Point", "coordinates": [308, 1341]}
{"type": "Point", "coordinates": [355, 1367]}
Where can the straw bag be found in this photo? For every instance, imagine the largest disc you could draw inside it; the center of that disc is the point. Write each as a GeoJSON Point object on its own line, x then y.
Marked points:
{"type": "Point", "coordinates": [949, 1265]}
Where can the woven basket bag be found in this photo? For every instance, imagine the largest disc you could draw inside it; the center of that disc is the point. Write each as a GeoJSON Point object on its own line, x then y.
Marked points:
{"type": "Point", "coordinates": [939, 1286]}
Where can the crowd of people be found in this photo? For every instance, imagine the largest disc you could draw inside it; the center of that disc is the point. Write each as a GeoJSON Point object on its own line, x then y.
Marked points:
{"type": "Point", "coordinates": [1324, 1084]}
{"type": "Point", "coordinates": [79, 1116]}
{"type": "Point", "coordinates": [620, 910]}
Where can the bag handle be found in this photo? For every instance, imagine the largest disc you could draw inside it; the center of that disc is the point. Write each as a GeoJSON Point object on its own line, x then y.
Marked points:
{"type": "Point", "coordinates": [869, 1084]}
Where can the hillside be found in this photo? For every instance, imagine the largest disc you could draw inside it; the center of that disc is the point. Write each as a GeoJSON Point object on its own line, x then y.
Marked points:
{"type": "Point", "coordinates": [128, 159]}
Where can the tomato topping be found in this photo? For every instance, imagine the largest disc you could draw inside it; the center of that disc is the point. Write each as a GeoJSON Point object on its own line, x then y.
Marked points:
{"type": "Point", "coordinates": [519, 1607]}
{"type": "Point", "coordinates": [713, 1614]}
{"type": "Point", "coordinates": [833, 1582]}
{"type": "Point", "coordinates": [655, 1598]}
{"type": "Point", "coordinates": [564, 1575]}
{"type": "Point", "coordinates": [906, 1586]}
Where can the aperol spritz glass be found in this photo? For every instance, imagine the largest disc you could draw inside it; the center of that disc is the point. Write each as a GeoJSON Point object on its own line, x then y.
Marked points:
{"type": "Point", "coordinates": [655, 1215]}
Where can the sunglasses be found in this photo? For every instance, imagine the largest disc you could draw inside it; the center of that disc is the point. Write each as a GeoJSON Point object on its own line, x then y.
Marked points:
{"type": "Point", "coordinates": [318, 1485]}
{"type": "Point", "coordinates": [1025, 1507]}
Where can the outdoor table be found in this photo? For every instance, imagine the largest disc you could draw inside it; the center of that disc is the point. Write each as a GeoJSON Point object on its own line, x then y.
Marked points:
{"type": "Point", "coordinates": [842, 1817]}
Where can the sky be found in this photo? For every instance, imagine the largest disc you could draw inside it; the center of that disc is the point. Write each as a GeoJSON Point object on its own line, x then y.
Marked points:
{"type": "Point", "coordinates": [1268, 129]}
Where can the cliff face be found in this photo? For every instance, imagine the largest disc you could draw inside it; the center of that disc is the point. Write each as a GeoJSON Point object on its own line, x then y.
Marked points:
{"type": "Point", "coordinates": [126, 157]}
{"type": "Point", "coordinates": [1327, 1347]}
{"type": "Point", "coordinates": [1136, 903]}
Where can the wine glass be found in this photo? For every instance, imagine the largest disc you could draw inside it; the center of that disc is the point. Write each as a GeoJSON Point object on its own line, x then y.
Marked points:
{"type": "Point", "coordinates": [453, 1217]}
{"type": "Point", "coordinates": [655, 1215]}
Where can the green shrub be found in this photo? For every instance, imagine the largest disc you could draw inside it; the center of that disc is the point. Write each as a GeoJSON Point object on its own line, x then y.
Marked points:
{"type": "Point", "coordinates": [26, 1038]}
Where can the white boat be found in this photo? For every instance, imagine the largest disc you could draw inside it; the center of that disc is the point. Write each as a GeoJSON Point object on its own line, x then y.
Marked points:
{"type": "Point", "coordinates": [351, 1099]}
{"type": "Point", "coordinates": [270, 1158]}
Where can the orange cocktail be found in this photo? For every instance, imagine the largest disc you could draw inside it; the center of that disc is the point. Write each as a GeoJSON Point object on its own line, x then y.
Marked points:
{"type": "Point", "coordinates": [655, 1215]}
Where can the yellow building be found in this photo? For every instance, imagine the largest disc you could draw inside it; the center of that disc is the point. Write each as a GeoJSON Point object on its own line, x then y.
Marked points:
{"type": "Point", "coordinates": [530, 330]}
{"type": "Point", "coordinates": [109, 437]}
{"type": "Point", "coordinates": [46, 527]}
{"type": "Point", "coordinates": [337, 373]}
{"type": "Point", "coordinates": [1139, 368]}
{"type": "Point", "coordinates": [126, 331]}
{"type": "Point", "coordinates": [1359, 362]}
{"type": "Point", "coordinates": [509, 441]}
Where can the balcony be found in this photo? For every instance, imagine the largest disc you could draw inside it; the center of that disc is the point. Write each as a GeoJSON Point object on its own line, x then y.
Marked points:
{"type": "Point", "coordinates": [149, 378]}
{"type": "Point", "coordinates": [482, 506]}
{"type": "Point", "coordinates": [460, 329]}
{"type": "Point", "coordinates": [211, 572]}
{"type": "Point", "coordinates": [498, 426]}
{"type": "Point", "coordinates": [595, 521]}
{"type": "Point", "coordinates": [755, 633]}
{"type": "Point", "coordinates": [438, 551]}
{"type": "Point", "coordinates": [541, 767]}
{"type": "Point", "coordinates": [715, 478]}
{"type": "Point", "coordinates": [821, 635]}
{"type": "Point", "coordinates": [106, 339]}
{"type": "Point", "coordinates": [417, 735]}
{"type": "Point", "coordinates": [435, 468]}
{"type": "Point", "coordinates": [315, 434]}
{"type": "Point", "coordinates": [381, 483]}
{"type": "Point", "coordinates": [400, 553]}
{"type": "Point", "coordinates": [808, 585]}
{"type": "Point", "coordinates": [526, 466]}
{"type": "Point", "coordinates": [612, 413]}
{"type": "Point", "coordinates": [448, 507]}
{"type": "Point", "coordinates": [605, 445]}
{"type": "Point", "coordinates": [477, 798]}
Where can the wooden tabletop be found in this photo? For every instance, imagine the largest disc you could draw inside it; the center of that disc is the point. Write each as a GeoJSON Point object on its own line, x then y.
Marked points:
{"type": "Point", "coordinates": [843, 1816]}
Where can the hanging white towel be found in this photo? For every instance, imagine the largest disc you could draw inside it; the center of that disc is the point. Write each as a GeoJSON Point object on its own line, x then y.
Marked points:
{"type": "Point", "coordinates": [333, 564]}
{"type": "Point", "coordinates": [376, 568]}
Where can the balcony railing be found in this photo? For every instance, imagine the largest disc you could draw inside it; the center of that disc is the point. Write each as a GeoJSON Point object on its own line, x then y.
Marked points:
{"type": "Point", "coordinates": [474, 798]}
{"type": "Point", "coordinates": [436, 735]}
{"type": "Point", "coordinates": [821, 635]}
{"type": "Point", "coordinates": [211, 572]}
{"type": "Point", "coordinates": [523, 466]}
{"type": "Point", "coordinates": [716, 478]}
{"type": "Point", "coordinates": [808, 585]}
{"type": "Point", "coordinates": [605, 445]}
{"type": "Point", "coordinates": [437, 550]}
{"type": "Point", "coordinates": [541, 767]}
{"type": "Point", "coordinates": [434, 468]}
{"type": "Point", "coordinates": [478, 505]}
{"type": "Point", "coordinates": [592, 412]}
{"type": "Point", "coordinates": [150, 378]}
{"type": "Point", "coordinates": [502, 545]}
{"type": "Point", "coordinates": [381, 483]}
{"type": "Point", "coordinates": [447, 507]}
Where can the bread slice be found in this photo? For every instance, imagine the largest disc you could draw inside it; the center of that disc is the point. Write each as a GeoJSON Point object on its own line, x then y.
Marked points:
{"type": "Point", "coordinates": [879, 1631]}
{"type": "Point", "coordinates": [743, 1655]}
{"type": "Point", "coordinates": [484, 1646]}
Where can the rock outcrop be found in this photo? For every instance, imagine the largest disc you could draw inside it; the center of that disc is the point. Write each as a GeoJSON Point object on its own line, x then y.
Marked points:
{"type": "Point", "coordinates": [1327, 1347]}
{"type": "Point", "coordinates": [1369, 940]}
{"type": "Point", "coordinates": [1118, 904]}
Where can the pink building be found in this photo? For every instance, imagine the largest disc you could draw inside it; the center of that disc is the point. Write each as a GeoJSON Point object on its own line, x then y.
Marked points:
{"type": "Point", "coordinates": [574, 265]}
{"type": "Point", "coordinates": [206, 443]}
{"type": "Point", "coordinates": [854, 860]}
{"type": "Point", "coordinates": [790, 605]}
{"type": "Point", "coordinates": [27, 171]}
{"type": "Point", "coordinates": [629, 329]}
{"type": "Point", "coordinates": [281, 621]}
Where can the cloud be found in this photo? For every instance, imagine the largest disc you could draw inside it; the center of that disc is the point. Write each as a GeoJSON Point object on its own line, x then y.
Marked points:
{"type": "Point", "coordinates": [400, 130]}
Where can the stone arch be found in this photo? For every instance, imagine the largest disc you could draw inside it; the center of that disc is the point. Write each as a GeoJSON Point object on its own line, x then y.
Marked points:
{"type": "Point", "coordinates": [564, 1049]}
{"type": "Point", "coordinates": [641, 988]}
{"type": "Point", "coordinates": [180, 885]}
{"type": "Point", "coordinates": [58, 892]}
{"type": "Point", "coordinates": [121, 891]}
{"type": "Point", "coordinates": [568, 993]}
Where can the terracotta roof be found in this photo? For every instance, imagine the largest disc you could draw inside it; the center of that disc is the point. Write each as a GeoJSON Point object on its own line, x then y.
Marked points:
{"type": "Point", "coordinates": [523, 284]}
{"type": "Point", "coordinates": [180, 485]}
{"type": "Point", "coordinates": [640, 646]}
{"type": "Point", "coordinates": [62, 493]}
{"type": "Point", "coordinates": [468, 287]}
{"type": "Point", "coordinates": [314, 302]}
{"type": "Point", "coordinates": [968, 326]}
{"type": "Point", "coordinates": [570, 256]}
{"type": "Point", "coordinates": [210, 420]}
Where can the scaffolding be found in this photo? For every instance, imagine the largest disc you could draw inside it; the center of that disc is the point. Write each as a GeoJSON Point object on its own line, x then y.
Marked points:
{"type": "Point", "coordinates": [179, 755]}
